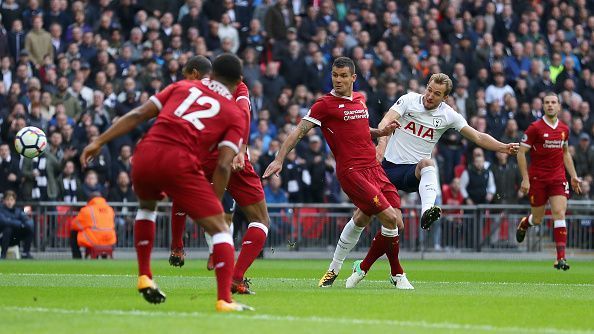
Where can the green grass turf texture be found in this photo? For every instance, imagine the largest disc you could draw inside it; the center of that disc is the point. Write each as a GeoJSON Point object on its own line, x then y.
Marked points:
{"type": "Point", "coordinates": [450, 297]}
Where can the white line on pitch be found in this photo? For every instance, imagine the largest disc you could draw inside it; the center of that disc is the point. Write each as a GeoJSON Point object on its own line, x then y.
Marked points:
{"type": "Point", "coordinates": [269, 317]}
{"type": "Point", "coordinates": [304, 279]}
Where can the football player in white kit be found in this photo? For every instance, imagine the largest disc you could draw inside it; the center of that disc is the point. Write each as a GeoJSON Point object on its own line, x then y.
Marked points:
{"type": "Point", "coordinates": [424, 118]}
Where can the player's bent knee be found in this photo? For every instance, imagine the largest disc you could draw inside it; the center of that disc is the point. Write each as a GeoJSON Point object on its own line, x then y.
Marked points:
{"type": "Point", "coordinates": [257, 213]}
{"type": "Point", "coordinates": [361, 219]}
{"type": "Point", "coordinates": [388, 219]}
{"type": "Point", "coordinates": [213, 224]}
{"type": "Point", "coordinates": [426, 163]}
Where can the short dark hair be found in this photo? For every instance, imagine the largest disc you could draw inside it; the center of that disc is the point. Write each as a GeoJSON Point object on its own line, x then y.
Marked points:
{"type": "Point", "coordinates": [227, 68]}
{"type": "Point", "coordinates": [341, 62]}
{"type": "Point", "coordinates": [198, 63]}
{"type": "Point", "coordinates": [550, 93]}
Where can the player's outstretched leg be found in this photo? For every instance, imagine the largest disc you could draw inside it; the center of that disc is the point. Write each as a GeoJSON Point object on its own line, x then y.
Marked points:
{"type": "Point", "coordinates": [251, 246]}
{"type": "Point", "coordinates": [523, 227]}
{"type": "Point", "coordinates": [144, 236]}
{"type": "Point", "coordinates": [178, 228]}
{"type": "Point", "coordinates": [348, 239]}
{"type": "Point", "coordinates": [427, 174]}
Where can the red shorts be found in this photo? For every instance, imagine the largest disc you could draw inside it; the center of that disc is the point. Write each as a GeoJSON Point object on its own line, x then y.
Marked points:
{"type": "Point", "coordinates": [161, 169]}
{"type": "Point", "coordinates": [244, 186]}
{"type": "Point", "coordinates": [370, 190]}
{"type": "Point", "coordinates": [542, 189]}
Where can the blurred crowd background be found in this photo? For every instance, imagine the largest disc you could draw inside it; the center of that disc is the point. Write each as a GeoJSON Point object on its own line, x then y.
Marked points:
{"type": "Point", "coordinates": [72, 68]}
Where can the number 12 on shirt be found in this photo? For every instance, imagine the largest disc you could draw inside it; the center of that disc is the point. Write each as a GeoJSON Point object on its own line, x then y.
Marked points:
{"type": "Point", "coordinates": [194, 117]}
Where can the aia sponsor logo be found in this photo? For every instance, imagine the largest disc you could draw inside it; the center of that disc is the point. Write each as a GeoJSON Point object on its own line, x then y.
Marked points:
{"type": "Point", "coordinates": [420, 131]}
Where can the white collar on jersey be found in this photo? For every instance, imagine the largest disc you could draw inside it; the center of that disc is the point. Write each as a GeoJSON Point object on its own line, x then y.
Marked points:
{"type": "Point", "coordinates": [553, 126]}
{"type": "Point", "coordinates": [350, 98]}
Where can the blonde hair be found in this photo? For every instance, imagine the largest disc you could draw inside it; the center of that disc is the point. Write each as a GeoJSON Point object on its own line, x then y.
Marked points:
{"type": "Point", "coordinates": [442, 79]}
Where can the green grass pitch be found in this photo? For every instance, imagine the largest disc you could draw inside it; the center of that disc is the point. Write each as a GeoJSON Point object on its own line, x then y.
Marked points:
{"type": "Point", "coordinates": [450, 297]}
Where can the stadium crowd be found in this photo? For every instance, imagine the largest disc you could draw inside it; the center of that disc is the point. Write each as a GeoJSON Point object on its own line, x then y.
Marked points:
{"type": "Point", "coordinates": [72, 68]}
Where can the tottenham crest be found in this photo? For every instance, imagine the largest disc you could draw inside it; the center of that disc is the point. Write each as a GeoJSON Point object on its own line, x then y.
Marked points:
{"type": "Point", "coordinates": [437, 122]}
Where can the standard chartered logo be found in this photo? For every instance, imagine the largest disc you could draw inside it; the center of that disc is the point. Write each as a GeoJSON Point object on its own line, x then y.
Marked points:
{"type": "Point", "coordinates": [355, 114]}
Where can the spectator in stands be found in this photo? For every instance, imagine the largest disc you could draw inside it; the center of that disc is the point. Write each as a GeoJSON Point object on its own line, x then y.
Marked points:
{"type": "Point", "coordinates": [70, 185]}
{"type": "Point", "coordinates": [123, 163]}
{"type": "Point", "coordinates": [10, 173]}
{"type": "Point", "coordinates": [477, 183]}
{"type": "Point", "coordinates": [584, 156]}
{"type": "Point", "coordinates": [71, 104]}
{"type": "Point", "coordinates": [93, 226]}
{"type": "Point", "coordinates": [507, 177]}
{"type": "Point", "coordinates": [91, 185]}
{"type": "Point", "coordinates": [292, 176]}
{"type": "Point", "coordinates": [15, 226]}
{"type": "Point", "coordinates": [496, 92]}
{"type": "Point", "coordinates": [39, 42]}
{"type": "Point", "coordinates": [279, 18]}
{"type": "Point", "coordinates": [315, 162]}
{"type": "Point", "coordinates": [40, 176]}
{"type": "Point", "coordinates": [272, 82]}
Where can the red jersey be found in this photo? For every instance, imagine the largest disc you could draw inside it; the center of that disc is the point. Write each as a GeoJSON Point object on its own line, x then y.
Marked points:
{"type": "Point", "coordinates": [242, 100]}
{"type": "Point", "coordinates": [345, 125]}
{"type": "Point", "coordinates": [199, 116]}
{"type": "Point", "coordinates": [546, 142]}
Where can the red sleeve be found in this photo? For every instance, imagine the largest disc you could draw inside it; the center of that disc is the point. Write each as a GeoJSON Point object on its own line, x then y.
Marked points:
{"type": "Point", "coordinates": [161, 97]}
{"type": "Point", "coordinates": [235, 133]}
{"type": "Point", "coordinates": [529, 136]}
{"type": "Point", "coordinates": [316, 113]}
{"type": "Point", "coordinates": [242, 99]}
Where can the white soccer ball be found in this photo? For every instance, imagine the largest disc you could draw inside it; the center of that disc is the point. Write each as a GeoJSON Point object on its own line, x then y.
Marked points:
{"type": "Point", "coordinates": [30, 142]}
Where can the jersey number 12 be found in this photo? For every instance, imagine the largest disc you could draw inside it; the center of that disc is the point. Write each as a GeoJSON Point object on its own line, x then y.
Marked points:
{"type": "Point", "coordinates": [196, 116]}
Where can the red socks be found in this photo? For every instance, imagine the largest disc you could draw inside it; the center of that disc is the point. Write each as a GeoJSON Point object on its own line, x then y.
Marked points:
{"type": "Point", "coordinates": [144, 235]}
{"type": "Point", "coordinates": [251, 246]}
{"type": "Point", "coordinates": [385, 242]}
{"type": "Point", "coordinates": [377, 249]}
{"type": "Point", "coordinates": [392, 254]}
{"type": "Point", "coordinates": [560, 236]}
{"type": "Point", "coordinates": [178, 227]}
{"type": "Point", "coordinates": [223, 254]}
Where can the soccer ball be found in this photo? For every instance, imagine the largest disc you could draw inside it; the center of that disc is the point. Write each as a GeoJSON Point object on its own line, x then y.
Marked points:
{"type": "Point", "coordinates": [30, 142]}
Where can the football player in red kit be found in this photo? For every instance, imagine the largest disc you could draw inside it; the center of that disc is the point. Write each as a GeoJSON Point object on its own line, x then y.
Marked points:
{"type": "Point", "coordinates": [342, 116]}
{"type": "Point", "coordinates": [246, 189]}
{"type": "Point", "coordinates": [546, 140]}
{"type": "Point", "coordinates": [194, 117]}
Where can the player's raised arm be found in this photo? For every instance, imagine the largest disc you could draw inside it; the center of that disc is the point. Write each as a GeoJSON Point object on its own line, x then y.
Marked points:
{"type": "Point", "coordinates": [383, 131]}
{"type": "Point", "coordinates": [569, 166]}
{"type": "Point", "coordinates": [487, 142]}
{"type": "Point", "coordinates": [298, 133]}
{"type": "Point", "coordinates": [122, 126]}
{"type": "Point", "coordinates": [391, 116]}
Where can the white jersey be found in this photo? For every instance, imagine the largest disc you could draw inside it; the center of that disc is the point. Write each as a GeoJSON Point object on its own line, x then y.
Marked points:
{"type": "Point", "coordinates": [420, 129]}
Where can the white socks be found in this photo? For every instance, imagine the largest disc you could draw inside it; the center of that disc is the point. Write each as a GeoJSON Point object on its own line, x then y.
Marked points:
{"type": "Point", "coordinates": [347, 241]}
{"type": "Point", "coordinates": [428, 188]}
{"type": "Point", "coordinates": [209, 242]}
{"type": "Point", "coordinates": [530, 221]}
{"type": "Point", "coordinates": [386, 232]}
